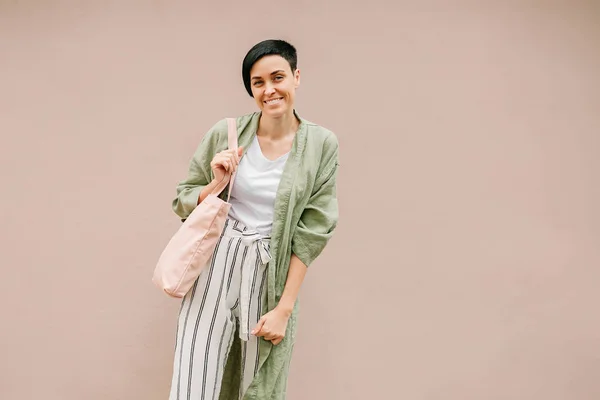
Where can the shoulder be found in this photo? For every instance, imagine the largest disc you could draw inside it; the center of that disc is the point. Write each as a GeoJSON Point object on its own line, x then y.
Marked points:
{"type": "Point", "coordinates": [321, 135]}
{"type": "Point", "coordinates": [323, 143]}
{"type": "Point", "coordinates": [322, 148]}
{"type": "Point", "coordinates": [219, 128]}
{"type": "Point", "coordinates": [217, 134]}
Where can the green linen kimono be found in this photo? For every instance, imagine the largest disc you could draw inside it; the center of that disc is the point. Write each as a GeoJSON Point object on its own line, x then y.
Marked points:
{"type": "Point", "coordinates": [305, 217]}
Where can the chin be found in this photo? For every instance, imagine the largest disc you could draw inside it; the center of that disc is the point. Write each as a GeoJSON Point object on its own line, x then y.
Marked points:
{"type": "Point", "coordinates": [277, 112]}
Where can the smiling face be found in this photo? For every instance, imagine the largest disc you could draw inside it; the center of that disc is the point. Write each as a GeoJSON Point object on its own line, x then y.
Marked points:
{"type": "Point", "coordinates": [274, 85]}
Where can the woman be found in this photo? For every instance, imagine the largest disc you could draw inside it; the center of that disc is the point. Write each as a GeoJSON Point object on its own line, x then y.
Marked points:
{"type": "Point", "coordinates": [237, 324]}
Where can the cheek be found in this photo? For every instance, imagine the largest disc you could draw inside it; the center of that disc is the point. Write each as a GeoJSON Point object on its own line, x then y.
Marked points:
{"type": "Point", "coordinates": [287, 89]}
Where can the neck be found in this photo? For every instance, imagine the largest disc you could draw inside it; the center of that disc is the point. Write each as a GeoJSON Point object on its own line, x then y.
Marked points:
{"type": "Point", "coordinates": [277, 128]}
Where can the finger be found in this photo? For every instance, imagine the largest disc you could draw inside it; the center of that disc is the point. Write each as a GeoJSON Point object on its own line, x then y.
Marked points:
{"type": "Point", "coordinates": [235, 158]}
{"type": "Point", "coordinates": [223, 164]}
{"type": "Point", "coordinates": [277, 341]}
{"type": "Point", "coordinates": [240, 152]}
{"type": "Point", "coordinates": [229, 153]}
{"type": "Point", "coordinates": [258, 327]}
{"type": "Point", "coordinates": [261, 333]}
{"type": "Point", "coordinates": [232, 162]}
{"type": "Point", "coordinates": [218, 163]}
{"type": "Point", "coordinates": [226, 162]}
{"type": "Point", "coordinates": [273, 336]}
{"type": "Point", "coordinates": [220, 158]}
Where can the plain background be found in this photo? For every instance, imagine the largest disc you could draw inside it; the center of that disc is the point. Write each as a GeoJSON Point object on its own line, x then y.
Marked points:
{"type": "Point", "coordinates": [466, 264]}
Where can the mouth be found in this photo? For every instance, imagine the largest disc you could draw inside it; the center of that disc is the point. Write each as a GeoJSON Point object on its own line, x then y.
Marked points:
{"type": "Point", "coordinates": [273, 101]}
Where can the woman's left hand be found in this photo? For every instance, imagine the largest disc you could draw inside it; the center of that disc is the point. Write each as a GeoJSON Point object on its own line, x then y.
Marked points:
{"type": "Point", "coordinates": [272, 326]}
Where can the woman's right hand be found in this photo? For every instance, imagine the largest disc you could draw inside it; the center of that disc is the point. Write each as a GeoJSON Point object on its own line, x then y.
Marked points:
{"type": "Point", "coordinates": [225, 162]}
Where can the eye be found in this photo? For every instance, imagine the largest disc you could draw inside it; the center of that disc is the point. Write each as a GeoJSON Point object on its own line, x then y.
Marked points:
{"type": "Point", "coordinates": [257, 83]}
{"type": "Point", "coordinates": [279, 77]}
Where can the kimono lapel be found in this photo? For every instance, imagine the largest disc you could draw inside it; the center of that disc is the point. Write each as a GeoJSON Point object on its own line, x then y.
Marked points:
{"type": "Point", "coordinates": [281, 229]}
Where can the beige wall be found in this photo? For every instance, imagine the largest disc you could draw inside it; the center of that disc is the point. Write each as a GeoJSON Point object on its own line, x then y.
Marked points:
{"type": "Point", "coordinates": [467, 259]}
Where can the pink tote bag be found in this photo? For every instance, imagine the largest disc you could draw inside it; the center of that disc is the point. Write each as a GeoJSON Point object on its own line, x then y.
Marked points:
{"type": "Point", "coordinates": [192, 246]}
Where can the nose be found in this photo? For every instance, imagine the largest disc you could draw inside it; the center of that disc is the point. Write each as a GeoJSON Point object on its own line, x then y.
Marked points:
{"type": "Point", "coordinates": [269, 89]}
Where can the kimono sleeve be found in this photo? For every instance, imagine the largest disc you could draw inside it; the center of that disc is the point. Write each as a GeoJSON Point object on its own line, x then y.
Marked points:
{"type": "Point", "coordinates": [320, 216]}
{"type": "Point", "coordinates": [199, 175]}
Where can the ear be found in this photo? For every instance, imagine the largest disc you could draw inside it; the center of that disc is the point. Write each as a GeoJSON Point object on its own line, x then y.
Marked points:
{"type": "Point", "coordinates": [297, 78]}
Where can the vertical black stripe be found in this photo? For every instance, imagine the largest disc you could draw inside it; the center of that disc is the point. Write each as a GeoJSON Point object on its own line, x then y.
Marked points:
{"type": "Point", "coordinates": [256, 266]}
{"type": "Point", "coordinates": [181, 344]}
{"type": "Point", "coordinates": [244, 253]}
{"type": "Point", "coordinates": [179, 319]}
{"type": "Point", "coordinates": [231, 271]}
{"type": "Point", "coordinates": [218, 368]}
{"type": "Point", "coordinates": [243, 366]}
{"type": "Point", "coordinates": [225, 227]}
{"type": "Point", "coordinates": [259, 315]}
{"type": "Point", "coordinates": [216, 310]}
{"type": "Point", "coordinates": [205, 294]}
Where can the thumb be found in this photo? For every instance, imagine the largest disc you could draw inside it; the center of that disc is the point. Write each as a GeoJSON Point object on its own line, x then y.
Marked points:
{"type": "Point", "coordinates": [240, 151]}
{"type": "Point", "coordinates": [258, 326]}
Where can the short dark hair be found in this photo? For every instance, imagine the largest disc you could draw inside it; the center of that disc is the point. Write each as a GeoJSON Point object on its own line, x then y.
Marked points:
{"type": "Point", "coordinates": [267, 48]}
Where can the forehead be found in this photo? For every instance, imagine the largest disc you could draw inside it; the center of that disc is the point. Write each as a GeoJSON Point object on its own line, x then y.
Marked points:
{"type": "Point", "coordinates": [269, 64]}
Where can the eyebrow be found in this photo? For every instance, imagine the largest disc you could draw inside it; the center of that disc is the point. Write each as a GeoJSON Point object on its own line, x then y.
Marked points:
{"type": "Point", "coordinates": [272, 73]}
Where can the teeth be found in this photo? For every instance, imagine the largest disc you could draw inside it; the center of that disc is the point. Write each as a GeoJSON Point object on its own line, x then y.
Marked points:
{"type": "Point", "coordinates": [273, 101]}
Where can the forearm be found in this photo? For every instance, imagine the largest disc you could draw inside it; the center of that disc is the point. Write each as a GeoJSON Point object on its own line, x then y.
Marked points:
{"type": "Point", "coordinates": [295, 277]}
{"type": "Point", "coordinates": [207, 190]}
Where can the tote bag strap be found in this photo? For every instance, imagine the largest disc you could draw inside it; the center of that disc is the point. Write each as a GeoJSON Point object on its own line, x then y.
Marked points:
{"type": "Point", "coordinates": [232, 139]}
{"type": "Point", "coordinates": [233, 144]}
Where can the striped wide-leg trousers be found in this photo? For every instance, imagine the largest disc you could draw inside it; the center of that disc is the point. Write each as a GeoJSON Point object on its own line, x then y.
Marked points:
{"type": "Point", "coordinates": [229, 293]}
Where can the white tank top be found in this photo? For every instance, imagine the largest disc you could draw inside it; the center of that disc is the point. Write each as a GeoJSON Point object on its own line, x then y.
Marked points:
{"type": "Point", "coordinates": [256, 182]}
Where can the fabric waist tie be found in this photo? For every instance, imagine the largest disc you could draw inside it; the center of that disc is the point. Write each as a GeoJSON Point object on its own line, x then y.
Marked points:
{"type": "Point", "coordinates": [258, 258]}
